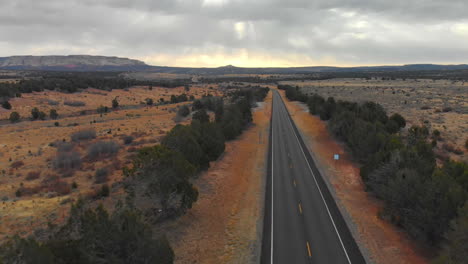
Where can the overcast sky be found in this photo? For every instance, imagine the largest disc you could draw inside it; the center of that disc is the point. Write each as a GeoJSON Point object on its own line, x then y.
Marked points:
{"type": "Point", "coordinates": [241, 32]}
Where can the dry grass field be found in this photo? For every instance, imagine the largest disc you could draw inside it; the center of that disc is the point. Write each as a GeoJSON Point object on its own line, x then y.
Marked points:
{"type": "Point", "coordinates": [34, 190]}
{"type": "Point", "coordinates": [440, 104]}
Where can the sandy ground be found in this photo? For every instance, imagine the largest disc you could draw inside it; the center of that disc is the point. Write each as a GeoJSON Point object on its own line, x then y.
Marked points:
{"type": "Point", "coordinates": [28, 142]}
{"type": "Point", "coordinates": [419, 101]}
{"type": "Point", "coordinates": [381, 241]}
{"type": "Point", "coordinates": [225, 225]}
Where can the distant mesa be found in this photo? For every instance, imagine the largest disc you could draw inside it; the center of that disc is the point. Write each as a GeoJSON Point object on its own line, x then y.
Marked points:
{"type": "Point", "coordinates": [104, 63]}
{"type": "Point", "coordinates": [71, 62]}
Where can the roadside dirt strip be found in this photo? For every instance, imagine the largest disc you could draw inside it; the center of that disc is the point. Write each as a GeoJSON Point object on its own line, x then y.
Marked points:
{"type": "Point", "coordinates": [380, 240]}
{"type": "Point", "coordinates": [226, 222]}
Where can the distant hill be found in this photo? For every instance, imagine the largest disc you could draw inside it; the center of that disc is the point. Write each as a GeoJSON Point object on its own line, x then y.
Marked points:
{"type": "Point", "coordinates": [103, 63]}
{"type": "Point", "coordinates": [71, 63]}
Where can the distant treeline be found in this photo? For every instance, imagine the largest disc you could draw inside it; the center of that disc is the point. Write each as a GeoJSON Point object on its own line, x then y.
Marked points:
{"type": "Point", "coordinates": [161, 176]}
{"type": "Point", "coordinates": [456, 75]}
{"type": "Point", "coordinates": [73, 81]}
{"type": "Point", "coordinates": [429, 202]}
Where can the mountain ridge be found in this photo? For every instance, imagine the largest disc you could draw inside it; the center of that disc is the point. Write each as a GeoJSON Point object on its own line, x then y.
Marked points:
{"type": "Point", "coordinates": [113, 63]}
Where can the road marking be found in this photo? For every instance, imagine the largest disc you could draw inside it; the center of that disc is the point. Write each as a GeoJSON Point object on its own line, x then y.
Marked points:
{"type": "Point", "coordinates": [300, 208]}
{"type": "Point", "coordinates": [308, 249]}
{"type": "Point", "coordinates": [294, 182]}
{"type": "Point", "coordinates": [272, 151]}
{"type": "Point", "coordinates": [316, 183]}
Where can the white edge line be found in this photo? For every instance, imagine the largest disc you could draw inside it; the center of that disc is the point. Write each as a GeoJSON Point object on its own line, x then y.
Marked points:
{"type": "Point", "coordinates": [271, 253]}
{"type": "Point", "coordinates": [316, 183]}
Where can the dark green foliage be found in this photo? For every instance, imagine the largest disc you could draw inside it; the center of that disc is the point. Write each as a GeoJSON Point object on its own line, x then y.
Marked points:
{"type": "Point", "coordinates": [315, 103]}
{"type": "Point", "coordinates": [455, 250]}
{"type": "Point", "coordinates": [73, 81]}
{"type": "Point", "coordinates": [201, 116]}
{"type": "Point", "coordinates": [197, 104]}
{"type": "Point", "coordinates": [149, 101]}
{"type": "Point", "coordinates": [232, 123]}
{"type": "Point", "coordinates": [104, 191]}
{"type": "Point", "coordinates": [94, 236]}
{"type": "Point", "coordinates": [165, 174]}
{"type": "Point", "coordinates": [183, 111]}
{"type": "Point", "coordinates": [400, 120]}
{"type": "Point", "coordinates": [115, 103]}
{"type": "Point", "coordinates": [6, 105]}
{"type": "Point", "coordinates": [392, 126]}
{"type": "Point", "coordinates": [183, 140]}
{"type": "Point", "coordinates": [327, 109]}
{"type": "Point", "coordinates": [53, 114]}
{"type": "Point", "coordinates": [101, 175]}
{"type": "Point", "coordinates": [128, 140]}
{"type": "Point", "coordinates": [42, 115]}
{"type": "Point", "coordinates": [293, 93]}
{"type": "Point", "coordinates": [179, 98]}
{"type": "Point", "coordinates": [210, 137]}
{"type": "Point", "coordinates": [372, 112]}
{"type": "Point", "coordinates": [28, 251]}
{"type": "Point", "coordinates": [219, 111]}
{"type": "Point", "coordinates": [14, 117]}
{"type": "Point", "coordinates": [35, 113]}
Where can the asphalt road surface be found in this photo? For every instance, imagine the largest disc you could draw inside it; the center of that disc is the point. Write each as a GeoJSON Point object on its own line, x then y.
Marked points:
{"type": "Point", "coordinates": [302, 221]}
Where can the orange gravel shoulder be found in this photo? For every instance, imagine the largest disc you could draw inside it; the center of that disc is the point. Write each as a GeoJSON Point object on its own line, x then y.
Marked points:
{"type": "Point", "coordinates": [381, 241]}
{"type": "Point", "coordinates": [225, 224]}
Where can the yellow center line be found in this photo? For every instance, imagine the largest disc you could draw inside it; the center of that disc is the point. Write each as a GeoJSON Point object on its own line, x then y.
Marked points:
{"type": "Point", "coordinates": [308, 249]}
{"type": "Point", "coordinates": [300, 208]}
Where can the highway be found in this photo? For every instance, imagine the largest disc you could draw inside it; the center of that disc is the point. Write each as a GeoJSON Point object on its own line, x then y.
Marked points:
{"type": "Point", "coordinates": [302, 221]}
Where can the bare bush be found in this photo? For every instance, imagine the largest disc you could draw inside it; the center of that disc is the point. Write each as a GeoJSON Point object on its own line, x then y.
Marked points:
{"type": "Point", "coordinates": [83, 135]}
{"type": "Point", "coordinates": [74, 103]}
{"type": "Point", "coordinates": [17, 164]}
{"type": "Point", "coordinates": [32, 175]}
{"type": "Point", "coordinates": [102, 149]}
{"type": "Point", "coordinates": [67, 160]}
{"type": "Point", "coordinates": [101, 175]}
{"type": "Point", "coordinates": [52, 102]}
{"type": "Point", "coordinates": [55, 185]}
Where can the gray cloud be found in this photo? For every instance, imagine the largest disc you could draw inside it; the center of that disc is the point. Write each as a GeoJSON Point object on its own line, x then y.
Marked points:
{"type": "Point", "coordinates": [243, 32]}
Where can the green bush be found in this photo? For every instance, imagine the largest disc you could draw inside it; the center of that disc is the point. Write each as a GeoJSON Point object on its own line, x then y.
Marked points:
{"type": "Point", "coordinates": [93, 236]}
{"type": "Point", "coordinates": [6, 105]}
{"type": "Point", "coordinates": [183, 111]}
{"type": "Point", "coordinates": [35, 113]}
{"type": "Point", "coordinates": [201, 116]}
{"type": "Point", "coordinates": [14, 117]}
{"type": "Point", "coordinates": [115, 103]}
{"type": "Point", "coordinates": [183, 140]}
{"type": "Point", "coordinates": [53, 114]}
{"type": "Point", "coordinates": [165, 173]}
